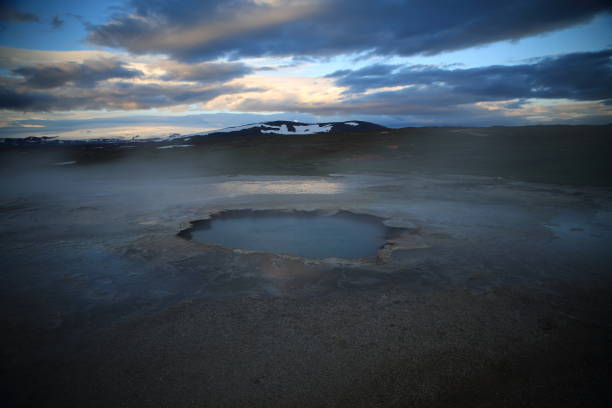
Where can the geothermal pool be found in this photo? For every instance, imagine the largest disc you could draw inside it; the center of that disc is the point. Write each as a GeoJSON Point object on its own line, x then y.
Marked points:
{"type": "Point", "coordinates": [299, 233]}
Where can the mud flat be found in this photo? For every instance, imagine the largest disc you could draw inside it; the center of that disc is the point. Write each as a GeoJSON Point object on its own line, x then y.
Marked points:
{"type": "Point", "coordinates": [495, 293]}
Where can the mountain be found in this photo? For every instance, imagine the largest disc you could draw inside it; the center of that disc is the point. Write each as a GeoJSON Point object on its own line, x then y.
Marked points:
{"type": "Point", "coordinates": [282, 127]}
{"type": "Point", "coordinates": [254, 129]}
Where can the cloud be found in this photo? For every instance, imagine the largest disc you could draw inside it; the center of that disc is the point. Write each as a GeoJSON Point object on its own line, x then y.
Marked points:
{"type": "Point", "coordinates": [56, 22]}
{"type": "Point", "coordinates": [428, 94]}
{"type": "Point", "coordinates": [577, 76]}
{"type": "Point", "coordinates": [279, 94]}
{"type": "Point", "coordinates": [101, 81]}
{"type": "Point", "coordinates": [11, 14]}
{"type": "Point", "coordinates": [111, 84]}
{"type": "Point", "coordinates": [205, 73]}
{"type": "Point", "coordinates": [405, 111]}
{"type": "Point", "coordinates": [416, 94]}
{"type": "Point", "coordinates": [191, 30]}
{"type": "Point", "coordinates": [84, 74]}
{"type": "Point", "coordinates": [110, 96]}
{"type": "Point", "coordinates": [11, 58]}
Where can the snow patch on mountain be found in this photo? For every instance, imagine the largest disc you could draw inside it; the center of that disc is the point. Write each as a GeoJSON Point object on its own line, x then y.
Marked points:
{"type": "Point", "coordinates": [299, 130]}
{"type": "Point", "coordinates": [313, 129]}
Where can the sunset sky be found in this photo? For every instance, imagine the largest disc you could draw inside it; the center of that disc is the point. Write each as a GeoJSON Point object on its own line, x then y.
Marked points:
{"type": "Point", "coordinates": [80, 69]}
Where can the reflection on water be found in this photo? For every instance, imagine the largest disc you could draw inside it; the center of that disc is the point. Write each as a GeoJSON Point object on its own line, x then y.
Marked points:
{"type": "Point", "coordinates": [298, 233]}
{"type": "Point", "coordinates": [280, 187]}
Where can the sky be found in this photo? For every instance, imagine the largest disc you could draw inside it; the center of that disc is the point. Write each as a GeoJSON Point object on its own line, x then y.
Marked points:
{"type": "Point", "coordinates": [150, 68]}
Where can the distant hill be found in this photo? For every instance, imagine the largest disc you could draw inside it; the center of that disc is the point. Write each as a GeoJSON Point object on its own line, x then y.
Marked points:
{"type": "Point", "coordinates": [254, 129]}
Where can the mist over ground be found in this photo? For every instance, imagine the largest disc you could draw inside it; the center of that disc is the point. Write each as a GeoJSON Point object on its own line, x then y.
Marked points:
{"type": "Point", "coordinates": [499, 273]}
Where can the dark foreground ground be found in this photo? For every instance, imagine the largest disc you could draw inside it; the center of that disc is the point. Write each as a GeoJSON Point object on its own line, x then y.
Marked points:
{"type": "Point", "coordinates": [498, 294]}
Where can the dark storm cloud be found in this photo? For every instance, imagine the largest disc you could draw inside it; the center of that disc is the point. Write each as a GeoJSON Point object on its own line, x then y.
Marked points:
{"type": "Point", "coordinates": [206, 73]}
{"type": "Point", "coordinates": [84, 74]}
{"type": "Point", "coordinates": [113, 96]}
{"type": "Point", "coordinates": [192, 30]}
{"type": "Point", "coordinates": [11, 14]}
{"type": "Point", "coordinates": [579, 76]}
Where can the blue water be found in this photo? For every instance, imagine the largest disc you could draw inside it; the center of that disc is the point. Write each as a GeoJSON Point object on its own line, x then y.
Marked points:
{"type": "Point", "coordinates": [307, 235]}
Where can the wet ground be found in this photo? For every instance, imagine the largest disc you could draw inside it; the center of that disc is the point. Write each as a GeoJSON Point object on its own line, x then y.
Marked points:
{"type": "Point", "coordinates": [496, 293]}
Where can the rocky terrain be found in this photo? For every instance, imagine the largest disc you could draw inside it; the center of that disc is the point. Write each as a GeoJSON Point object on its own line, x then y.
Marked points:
{"type": "Point", "coordinates": [497, 293]}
